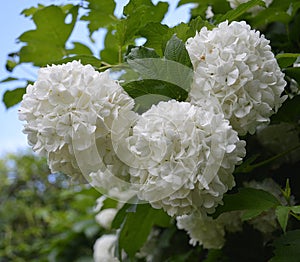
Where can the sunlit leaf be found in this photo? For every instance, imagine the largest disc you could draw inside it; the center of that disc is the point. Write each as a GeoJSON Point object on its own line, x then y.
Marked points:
{"type": "Point", "coordinates": [47, 42]}
{"type": "Point", "coordinates": [101, 14]}
{"type": "Point", "coordinates": [13, 97]}
{"type": "Point", "coordinates": [286, 59]}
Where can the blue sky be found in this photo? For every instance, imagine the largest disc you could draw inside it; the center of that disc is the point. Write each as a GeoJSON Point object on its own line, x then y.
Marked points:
{"type": "Point", "coordinates": [13, 25]}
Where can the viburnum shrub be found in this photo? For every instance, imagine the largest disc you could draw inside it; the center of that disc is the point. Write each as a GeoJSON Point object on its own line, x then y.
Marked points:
{"type": "Point", "coordinates": [175, 131]}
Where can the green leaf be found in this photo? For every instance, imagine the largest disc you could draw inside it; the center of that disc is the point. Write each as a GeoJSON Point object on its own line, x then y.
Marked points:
{"type": "Point", "coordinates": [289, 112]}
{"type": "Point", "coordinates": [30, 11]}
{"type": "Point", "coordinates": [84, 59]}
{"type": "Point", "coordinates": [137, 226]}
{"type": "Point", "coordinates": [282, 214]}
{"type": "Point", "coordinates": [287, 247]}
{"type": "Point", "coordinates": [101, 14]}
{"type": "Point", "coordinates": [164, 70]}
{"type": "Point", "coordinates": [252, 201]}
{"type": "Point", "coordinates": [110, 53]}
{"type": "Point", "coordinates": [286, 59]}
{"type": "Point", "coordinates": [47, 42]}
{"type": "Point", "coordinates": [8, 79]}
{"type": "Point", "coordinates": [13, 97]}
{"type": "Point", "coordinates": [142, 52]}
{"type": "Point", "coordinates": [10, 65]}
{"type": "Point", "coordinates": [138, 14]}
{"type": "Point", "coordinates": [176, 51]}
{"type": "Point", "coordinates": [197, 24]}
{"type": "Point", "coordinates": [295, 209]}
{"type": "Point", "coordinates": [234, 14]}
{"type": "Point", "coordinates": [157, 36]}
{"type": "Point", "coordinates": [80, 49]}
{"type": "Point", "coordinates": [293, 72]}
{"type": "Point", "coordinates": [150, 91]}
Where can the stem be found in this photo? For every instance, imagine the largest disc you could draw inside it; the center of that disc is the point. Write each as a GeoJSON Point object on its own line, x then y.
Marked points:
{"type": "Point", "coordinates": [274, 157]}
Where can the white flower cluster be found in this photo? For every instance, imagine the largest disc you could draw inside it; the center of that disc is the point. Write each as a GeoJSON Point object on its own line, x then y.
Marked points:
{"type": "Point", "coordinates": [236, 65]}
{"type": "Point", "coordinates": [187, 156]}
{"type": "Point", "coordinates": [67, 109]}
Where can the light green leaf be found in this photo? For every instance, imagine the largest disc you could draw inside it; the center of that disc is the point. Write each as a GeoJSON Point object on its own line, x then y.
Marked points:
{"type": "Point", "coordinates": [138, 13]}
{"type": "Point", "coordinates": [110, 54]}
{"type": "Point", "coordinates": [295, 209]}
{"type": "Point", "coordinates": [137, 226]}
{"type": "Point", "coordinates": [287, 247]}
{"type": "Point", "coordinates": [196, 24]}
{"type": "Point", "coordinates": [234, 14]}
{"type": "Point", "coordinates": [286, 59]}
{"type": "Point", "coordinates": [13, 97]}
{"type": "Point", "coordinates": [101, 14]}
{"type": "Point", "coordinates": [176, 51]}
{"type": "Point", "coordinates": [282, 214]}
{"type": "Point", "coordinates": [253, 201]}
{"type": "Point", "coordinates": [47, 42]}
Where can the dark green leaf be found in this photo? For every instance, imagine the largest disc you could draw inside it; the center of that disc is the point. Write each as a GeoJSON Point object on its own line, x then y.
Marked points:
{"type": "Point", "coordinates": [13, 97]}
{"type": "Point", "coordinates": [293, 72]}
{"type": "Point", "coordinates": [150, 91]}
{"type": "Point", "coordinates": [282, 214]}
{"type": "Point", "coordinates": [287, 247]}
{"type": "Point", "coordinates": [101, 14]}
{"type": "Point", "coordinates": [137, 226]}
{"type": "Point", "coordinates": [8, 79]}
{"type": "Point", "coordinates": [253, 201]}
{"type": "Point", "coordinates": [233, 15]}
{"type": "Point", "coordinates": [289, 112]}
{"type": "Point", "coordinates": [176, 51]}
{"type": "Point", "coordinates": [10, 65]}
{"type": "Point", "coordinates": [286, 59]}
{"type": "Point", "coordinates": [142, 52]}
{"type": "Point", "coordinates": [47, 42]}
{"type": "Point", "coordinates": [164, 70]}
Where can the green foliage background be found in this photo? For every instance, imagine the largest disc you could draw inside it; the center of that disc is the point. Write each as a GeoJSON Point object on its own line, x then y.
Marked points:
{"type": "Point", "coordinates": [51, 221]}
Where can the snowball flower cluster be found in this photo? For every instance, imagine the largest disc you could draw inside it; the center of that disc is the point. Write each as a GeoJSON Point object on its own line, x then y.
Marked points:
{"type": "Point", "coordinates": [184, 157]}
{"type": "Point", "coordinates": [236, 65]}
{"type": "Point", "coordinates": [67, 109]}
